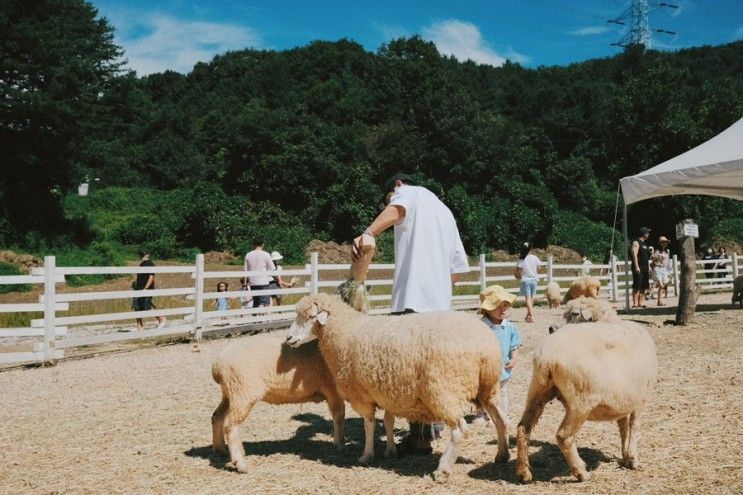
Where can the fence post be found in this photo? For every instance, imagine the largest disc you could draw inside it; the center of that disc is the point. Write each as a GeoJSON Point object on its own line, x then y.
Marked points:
{"type": "Point", "coordinates": [198, 296]}
{"type": "Point", "coordinates": [550, 262]}
{"type": "Point", "coordinates": [614, 278]}
{"type": "Point", "coordinates": [483, 272]}
{"type": "Point", "coordinates": [314, 273]}
{"type": "Point", "coordinates": [50, 291]}
{"type": "Point", "coordinates": [735, 265]}
{"type": "Point", "coordinates": [676, 279]}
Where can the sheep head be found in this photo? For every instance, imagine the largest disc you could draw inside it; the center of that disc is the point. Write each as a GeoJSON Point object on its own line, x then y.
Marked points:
{"type": "Point", "coordinates": [585, 309]}
{"type": "Point", "coordinates": [313, 313]}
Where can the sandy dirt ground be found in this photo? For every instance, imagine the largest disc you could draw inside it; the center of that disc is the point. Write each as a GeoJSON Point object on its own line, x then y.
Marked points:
{"type": "Point", "coordinates": [139, 422]}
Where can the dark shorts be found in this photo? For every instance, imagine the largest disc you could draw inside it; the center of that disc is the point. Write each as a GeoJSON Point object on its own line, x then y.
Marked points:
{"type": "Point", "coordinates": [142, 303]}
{"type": "Point", "coordinates": [260, 300]}
{"type": "Point", "coordinates": [640, 281]}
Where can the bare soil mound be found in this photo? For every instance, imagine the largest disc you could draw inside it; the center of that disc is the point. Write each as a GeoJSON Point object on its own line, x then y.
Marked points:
{"type": "Point", "coordinates": [23, 261]}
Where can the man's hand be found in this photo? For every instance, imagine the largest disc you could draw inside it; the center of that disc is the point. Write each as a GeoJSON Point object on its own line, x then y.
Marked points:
{"type": "Point", "coordinates": [356, 246]}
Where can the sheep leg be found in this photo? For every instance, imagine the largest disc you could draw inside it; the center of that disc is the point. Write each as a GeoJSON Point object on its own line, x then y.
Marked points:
{"type": "Point", "coordinates": [632, 461]}
{"type": "Point", "coordinates": [338, 412]}
{"type": "Point", "coordinates": [389, 423]}
{"type": "Point", "coordinates": [539, 396]}
{"type": "Point", "coordinates": [500, 425]}
{"type": "Point", "coordinates": [446, 463]}
{"type": "Point", "coordinates": [623, 424]}
{"type": "Point", "coordinates": [238, 413]}
{"type": "Point", "coordinates": [566, 433]}
{"type": "Point", "coordinates": [218, 425]}
{"type": "Point", "coordinates": [369, 427]}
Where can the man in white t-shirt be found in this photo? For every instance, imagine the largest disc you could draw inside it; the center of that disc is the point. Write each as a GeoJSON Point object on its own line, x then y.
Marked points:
{"type": "Point", "coordinates": [429, 256]}
{"type": "Point", "coordinates": [259, 260]}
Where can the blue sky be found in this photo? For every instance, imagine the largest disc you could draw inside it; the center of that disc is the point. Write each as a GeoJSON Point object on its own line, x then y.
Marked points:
{"type": "Point", "coordinates": [175, 34]}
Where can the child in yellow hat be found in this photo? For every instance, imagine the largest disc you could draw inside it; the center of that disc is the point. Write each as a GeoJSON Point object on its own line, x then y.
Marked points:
{"type": "Point", "coordinates": [495, 301]}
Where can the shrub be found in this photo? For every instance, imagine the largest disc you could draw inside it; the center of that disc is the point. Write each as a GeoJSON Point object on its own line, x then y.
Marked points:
{"type": "Point", "coordinates": [730, 229]}
{"type": "Point", "coordinates": [575, 231]}
{"type": "Point", "coordinates": [99, 253]}
{"type": "Point", "coordinates": [7, 269]}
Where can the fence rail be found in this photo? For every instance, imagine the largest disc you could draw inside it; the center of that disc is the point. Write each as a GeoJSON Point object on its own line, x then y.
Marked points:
{"type": "Point", "coordinates": [60, 332]}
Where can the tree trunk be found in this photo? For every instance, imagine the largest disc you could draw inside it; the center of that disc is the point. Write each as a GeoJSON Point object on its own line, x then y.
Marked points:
{"type": "Point", "coordinates": [687, 292]}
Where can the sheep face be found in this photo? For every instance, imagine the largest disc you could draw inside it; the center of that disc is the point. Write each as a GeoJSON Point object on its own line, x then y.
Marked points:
{"type": "Point", "coordinates": [578, 311]}
{"type": "Point", "coordinates": [304, 330]}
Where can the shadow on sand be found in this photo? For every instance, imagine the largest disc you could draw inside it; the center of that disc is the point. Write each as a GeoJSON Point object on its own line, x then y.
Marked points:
{"type": "Point", "coordinates": [547, 462]}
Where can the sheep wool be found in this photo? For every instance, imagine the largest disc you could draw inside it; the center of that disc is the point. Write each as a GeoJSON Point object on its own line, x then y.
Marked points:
{"type": "Point", "coordinates": [599, 371]}
{"type": "Point", "coordinates": [403, 364]}
{"type": "Point", "coordinates": [583, 286]}
{"type": "Point", "coordinates": [261, 368]}
{"type": "Point", "coordinates": [552, 294]}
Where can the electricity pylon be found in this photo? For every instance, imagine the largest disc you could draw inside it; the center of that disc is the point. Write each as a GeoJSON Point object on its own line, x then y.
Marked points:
{"type": "Point", "coordinates": [640, 32]}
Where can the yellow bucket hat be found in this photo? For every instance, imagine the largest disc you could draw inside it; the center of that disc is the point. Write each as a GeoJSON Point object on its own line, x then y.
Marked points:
{"type": "Point", "coordinates": [493, 296]}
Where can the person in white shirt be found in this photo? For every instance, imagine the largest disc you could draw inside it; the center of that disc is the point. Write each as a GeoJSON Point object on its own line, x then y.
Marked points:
{"type": "Point", "coordinates": [527, 271]}
{"type": "Point", "coordinates": [259, 260]}
{"type": "Point", "coordinates": [429, 256]}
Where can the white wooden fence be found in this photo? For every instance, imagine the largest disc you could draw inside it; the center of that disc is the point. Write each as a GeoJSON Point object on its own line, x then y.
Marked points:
{"type": "Point", "coordinates": [48, 336]}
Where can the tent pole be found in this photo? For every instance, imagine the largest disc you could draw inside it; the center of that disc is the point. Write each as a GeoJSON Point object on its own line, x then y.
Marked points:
{"type": "Point", "coordinates": [627, 279]}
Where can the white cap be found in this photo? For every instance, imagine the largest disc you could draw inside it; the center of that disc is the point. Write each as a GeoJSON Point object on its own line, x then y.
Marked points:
{"type": "Point", "coordinates": [276, 256]}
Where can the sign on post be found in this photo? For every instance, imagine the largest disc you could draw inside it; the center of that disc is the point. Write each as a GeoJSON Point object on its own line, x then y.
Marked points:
{"type": "Point", "coordinates": [687, 230]}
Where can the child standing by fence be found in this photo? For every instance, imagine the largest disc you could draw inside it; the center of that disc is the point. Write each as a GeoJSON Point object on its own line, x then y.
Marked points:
{"type": "Point", "coordinates": [495, 301]}
{"type": "Point", "coordinates": [222, 303]}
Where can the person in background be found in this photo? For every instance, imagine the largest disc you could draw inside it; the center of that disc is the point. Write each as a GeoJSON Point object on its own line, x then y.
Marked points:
{"type": "Point", "coordinates": [246, 301]}
{"type": "Point", "coordinates": [640, 259]}
{"type": "Point", "coordinates": [495, 301]}
{"type": "Point", "coordinates": [145, 281]}
{"type": "Point", "coordinates": [709, 262]}
{"type": "Point", "coordinates": [722, 263]}
{"type": "Point", "coordinates": [277, 282]}
{"type": "Point", "coordinates": [260, 261]}
{"type": "Point", "coordinates": [429, 256]}
{"type": "Point", "coordinates": [527, 271]}
{"type": "Point", "coordinates": [660, 260]}
{"type": "Point", "coordinates": [222, 303]}
{"type": "Point", "coordinates": [585, 269]}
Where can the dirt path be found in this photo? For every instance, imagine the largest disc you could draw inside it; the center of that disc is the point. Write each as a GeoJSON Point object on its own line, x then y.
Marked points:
{"type": "Point", "coordinates": [139, 422]}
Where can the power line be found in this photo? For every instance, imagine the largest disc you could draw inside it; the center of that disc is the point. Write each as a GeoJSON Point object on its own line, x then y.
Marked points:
{"type": "Point", "coordinates": [637, 15]}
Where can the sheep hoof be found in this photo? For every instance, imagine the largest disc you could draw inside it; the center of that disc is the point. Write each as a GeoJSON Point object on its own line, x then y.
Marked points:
{"type": "Point", "coordinates": [582, 476]}
{"type": "Point", "coordinates": [440, 475]}
{"type": "Point", "coordinates": [390, 453]}
{"type": "Point", "coordinates": [502, 456]}
{"type": "Point", "coordinates": [366, 458]}
{"type": "Point", "coordinates": [631, 463]}
{"type": "Point", "coordinates": [241, 466]}
{"type": "Point", "coordinates": [525, 476]}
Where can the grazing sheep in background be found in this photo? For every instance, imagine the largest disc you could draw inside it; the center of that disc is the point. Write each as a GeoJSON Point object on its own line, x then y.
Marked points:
{"type": "Point", "coordinates": [738, 290]}
{"type": "Point", "coordinates": [552, 294]}
{"type": "Point", "coordinates": [261, 368]}
{"type": "Point", "coordinates": [583, 286]}
{"type": "Point", "coordinates": [587, 309]}
{"type": "Point", "coordinates": [425, 367]}
{"type": "Point", "coordinates": [599, 372]}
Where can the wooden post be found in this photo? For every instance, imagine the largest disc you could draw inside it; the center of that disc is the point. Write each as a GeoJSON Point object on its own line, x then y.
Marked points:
{"type": "Point", "coordinates": [198, 296]}
{"type": "Point", "coordinates": [627, 271]}
{"type": "Point", "coordinates": [50, 290]}
{"type": "Point", "coordinates": [688, 291]}
{"type": "Point", "coordinates": [314, 274]}
{"type": "Point", "coordinates": [614, 278]}
{"type": "Point", "coordinates": [483, 273]}
{"type": "Point", "coordinates": [550, 264]}
{"type": "Point", "coordinates": [676, 275]}
{"type": "Point", "coordinates": [736, 264]}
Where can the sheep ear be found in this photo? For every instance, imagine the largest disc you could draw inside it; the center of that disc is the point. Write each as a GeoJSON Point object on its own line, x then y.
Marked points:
{"type": "Point", "coordinates": [313, 311]}
{"type": "Point", "coordinates": [586, 314]}
{"type": "Point", "coordinates": [322, 317]}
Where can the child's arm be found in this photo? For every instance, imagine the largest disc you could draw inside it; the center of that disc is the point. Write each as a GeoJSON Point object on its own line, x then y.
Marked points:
{"type": "Point", "coordinates": [512, 362]}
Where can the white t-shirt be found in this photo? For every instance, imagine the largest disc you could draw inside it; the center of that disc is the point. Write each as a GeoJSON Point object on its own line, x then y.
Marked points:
{"type": "Point", "coordinates": [427, 251]}
{"type": "Point", "coordinates": [258, 261]}
{"type": "Point", "coordinates": [529, 266]}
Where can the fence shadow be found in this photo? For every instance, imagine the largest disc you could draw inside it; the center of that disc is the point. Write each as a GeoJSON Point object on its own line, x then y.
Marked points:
{"type": "Point", "coordinates": [669, 310]}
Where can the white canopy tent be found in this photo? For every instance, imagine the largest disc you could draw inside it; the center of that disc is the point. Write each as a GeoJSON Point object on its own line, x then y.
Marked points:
{"type": "Point", "coordinates": [714, 168]}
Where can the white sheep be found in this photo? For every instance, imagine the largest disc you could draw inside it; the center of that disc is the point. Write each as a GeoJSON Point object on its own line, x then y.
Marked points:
{"type": "Point", "coordinates": [587, 309]}
{"type": "Point", "coordinates": [425, 367]}
{"type": "Point", "coordinates": [600, 371]}
{"type": "Point", "coordinates": [261, 368]}
{"type": "Point", "coordinates": [583, 286]}
{"type": "Point", "coordinates": [552, 294]}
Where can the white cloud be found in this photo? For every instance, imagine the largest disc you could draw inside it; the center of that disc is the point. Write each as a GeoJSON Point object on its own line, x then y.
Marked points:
{"type": "Point", "coordinates": [590, 31]}
{"type": "Point", "coordinates": [464, 41]}
{"type": "Point", "coordinates": [169, 43]}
